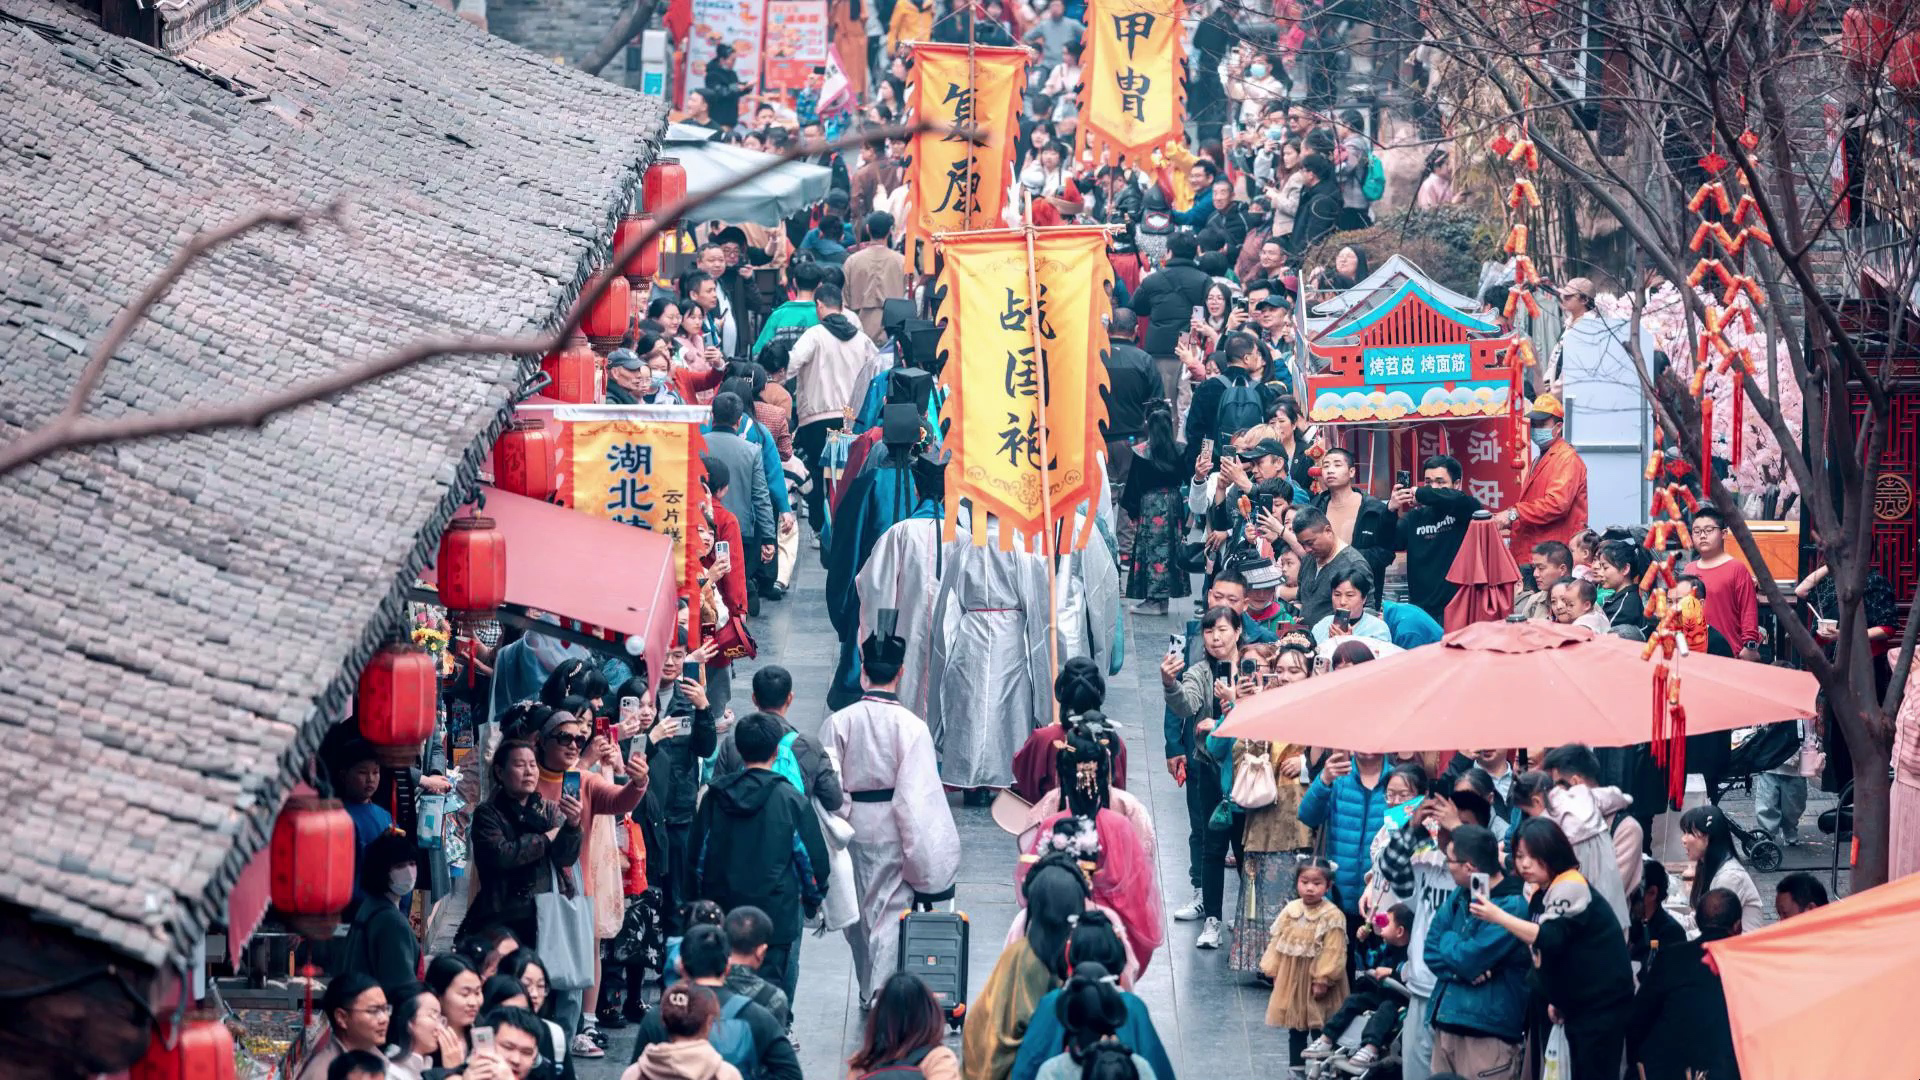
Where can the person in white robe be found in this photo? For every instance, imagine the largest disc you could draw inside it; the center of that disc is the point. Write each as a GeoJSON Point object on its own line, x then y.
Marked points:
{"type": "Point", "coordinates": [991, 676]}
{"type": "Point", "coordinates": [905, 847]}
{"type": "Point", "coordinates": [1089, 602]}
{"type": "Point", "coordinates": [902, 575]}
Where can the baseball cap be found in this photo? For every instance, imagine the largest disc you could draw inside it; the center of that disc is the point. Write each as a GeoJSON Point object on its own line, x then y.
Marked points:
{"type": "Point", "coordinates": [1545, 406]}
{"type": "Point", "coordinates": [1581, 285]}
{"type": "Point", "coordinates": [625, 358]}
{"type": "Point", "coordinates": [1263, 448]}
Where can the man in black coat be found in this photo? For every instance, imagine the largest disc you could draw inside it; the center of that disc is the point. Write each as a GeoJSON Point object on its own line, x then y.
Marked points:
{"type": "Point", "coordinates": [723, 89]}
{"type": "Point", "coordinates": [1679, 1026]}
{"type": "Point", "coordinates": [1132, 381]}
{"type": "Point", "coordinates": [756, 841]}
{"type": "Point", "coordinates": [1319, 205]}
{"type": "Point", "coordinates": [1433, 522]}
{"type": "Point", "coordinates": [1166, 299]}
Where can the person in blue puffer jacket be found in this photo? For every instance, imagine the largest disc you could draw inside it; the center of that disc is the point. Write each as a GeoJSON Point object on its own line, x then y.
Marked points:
{"type": "Point", "coordinates": [1348, 798]}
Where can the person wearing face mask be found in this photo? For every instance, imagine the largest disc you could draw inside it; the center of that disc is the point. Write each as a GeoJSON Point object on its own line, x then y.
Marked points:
{"type": "Point", "coordinates": [380, 940]}
{"type": "Point", "coordinates": [1553, 502]}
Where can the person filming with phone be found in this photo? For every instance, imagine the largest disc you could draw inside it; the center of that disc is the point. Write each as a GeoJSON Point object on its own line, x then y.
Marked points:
{"type": "Point", "coordinates": [1199, 696]}
{"type": "Point", "coordinates": [1478, 1009]}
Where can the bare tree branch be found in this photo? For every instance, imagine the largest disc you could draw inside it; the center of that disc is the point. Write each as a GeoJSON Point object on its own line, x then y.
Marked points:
{"type": "Point", "coordinates": [70, 430]}
{"type": "Point", "coordinates": [631, 22]}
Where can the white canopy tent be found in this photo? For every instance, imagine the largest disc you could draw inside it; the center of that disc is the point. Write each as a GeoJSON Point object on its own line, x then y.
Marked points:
{"type": "Point", "coordinates": [766, 200]}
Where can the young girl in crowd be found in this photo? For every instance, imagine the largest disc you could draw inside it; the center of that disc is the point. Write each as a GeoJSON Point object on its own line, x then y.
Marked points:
{"type": "Point", "coordinates": [1272, 836]}
{"type": "Point", "coordinates": [687, 1010]}
{"type": "Point", "coordinates": [457, 985]}
{"type": "Point", "coordinates": [1306, 958]}
{"type": "Point", "coordinates": [1584, 546]}
{"type": "Point", "coordinates": [1707, 837]}
{"type": "Point", "coordinates": [1092, 1011]}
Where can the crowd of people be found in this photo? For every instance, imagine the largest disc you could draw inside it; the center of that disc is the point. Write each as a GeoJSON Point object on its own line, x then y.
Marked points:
{"type": "Point", "coordinates": [645, 848]}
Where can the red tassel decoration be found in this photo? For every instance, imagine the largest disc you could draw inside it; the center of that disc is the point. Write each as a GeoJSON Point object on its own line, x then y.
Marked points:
{"type": "Point", "coordinates": [1739, 418]}
{"type": "Point", "coordinates": [1677, 751]}
{"type": "Point", "coordinates": [1706, 442]}
{"type": "Point", "coordinates": [1659, 739]}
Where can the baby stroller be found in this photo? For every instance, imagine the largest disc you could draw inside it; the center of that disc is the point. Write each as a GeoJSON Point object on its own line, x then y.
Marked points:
{"type": "Point", "coordinates": [1766, 748]}
{"type": "Point", "coordinates": [1346, 1043]}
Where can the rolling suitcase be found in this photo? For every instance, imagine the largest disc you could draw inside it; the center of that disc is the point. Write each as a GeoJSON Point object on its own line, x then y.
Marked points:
{"type": "Point", "coordinates": [933, 945]}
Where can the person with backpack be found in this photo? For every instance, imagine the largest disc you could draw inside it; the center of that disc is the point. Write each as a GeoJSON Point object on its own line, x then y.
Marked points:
{"type": "Point", "coordinates": [744, 1033]}
{"type": "Point", "coordinates": [1167, 298]}
{"type": "Point", "coordinates": [748, 930]}
{"type": "Point", "coordinates": [1362, 178]}
{"type": "Point", "coordinates": [905, 847]}
{"type": "Point", "coordinates": [800, 759]}
{"type": "Point", "coordinates": [756, 841]}
{"type": "Point", "coordinates": [1230, 402]}
{"type": "Point", "coordinates": [905, 1037]}
{"type": "Point", "coordinates": [688, 1011]}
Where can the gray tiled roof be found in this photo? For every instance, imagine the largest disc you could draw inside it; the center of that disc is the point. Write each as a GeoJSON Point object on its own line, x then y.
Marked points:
{"type": "Point", "coordinates": [181, 612]}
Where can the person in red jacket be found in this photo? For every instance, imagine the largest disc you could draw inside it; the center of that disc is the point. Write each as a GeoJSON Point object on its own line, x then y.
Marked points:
{"type": "Point", "coordinates": [1553, 503]}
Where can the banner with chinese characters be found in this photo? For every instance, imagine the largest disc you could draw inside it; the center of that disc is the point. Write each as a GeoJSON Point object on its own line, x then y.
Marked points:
{"type": "Point", "coordinates": [1010, 409]}
{"type": "Point", "coordinates": [796, 42]}
{"type": "Point", "coordinates": [638, 466]}
{"type": "Point", "coordinates": [1133, 97]}
{"type": "Point", "coordinates": [1480, 446]}
{"type": "Point", "coordinates": [953, 184]}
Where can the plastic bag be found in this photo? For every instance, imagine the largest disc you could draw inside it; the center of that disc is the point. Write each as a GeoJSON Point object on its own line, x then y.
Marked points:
{"type": "Point", "coordinates": [1556, 1062]}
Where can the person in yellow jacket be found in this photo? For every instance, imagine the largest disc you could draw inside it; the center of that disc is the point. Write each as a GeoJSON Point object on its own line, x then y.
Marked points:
{"type": "Point", "coordinates": [912, 21]}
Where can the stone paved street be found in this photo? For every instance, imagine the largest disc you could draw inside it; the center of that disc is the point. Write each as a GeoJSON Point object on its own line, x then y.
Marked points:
{"type": "Point", "coordinates": [1212, 1021]}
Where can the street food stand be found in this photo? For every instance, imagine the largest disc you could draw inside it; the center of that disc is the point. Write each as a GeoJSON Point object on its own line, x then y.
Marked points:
{"type": "Point", "coordinates": [1401, 368]}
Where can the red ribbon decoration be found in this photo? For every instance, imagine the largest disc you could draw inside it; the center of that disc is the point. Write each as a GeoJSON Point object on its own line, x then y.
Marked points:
{"type": "Point", "coordinates": [1706, 443]}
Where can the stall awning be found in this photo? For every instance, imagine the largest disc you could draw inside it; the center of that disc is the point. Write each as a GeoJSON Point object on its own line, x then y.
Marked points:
{"type": "Point", "coordinates": [588, 568]}
{"type": "Point", "coordinates": [1849, 968]}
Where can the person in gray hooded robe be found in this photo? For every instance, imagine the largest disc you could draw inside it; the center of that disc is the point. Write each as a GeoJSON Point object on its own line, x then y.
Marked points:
{"type": "Point", "coordinates": [991, 675]}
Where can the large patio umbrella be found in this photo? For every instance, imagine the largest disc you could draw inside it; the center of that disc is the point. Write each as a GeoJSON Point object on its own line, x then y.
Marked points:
{"type": "Point", "coordinates": [766, 200]}
{"type": "Point", "coordinates": [1515, 684]}
{"type": "Point", "coordinates": [1485, 571]}
{"type": "Point", "coordinates": [1850, 970]}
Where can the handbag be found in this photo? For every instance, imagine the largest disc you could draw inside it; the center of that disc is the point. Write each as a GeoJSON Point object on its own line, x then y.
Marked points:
{"type": "Point", "coordinates": [567, 942]}
{"type": "Point", "coordinates": [1254, 785]}
{"type": "Point", "coordinates": [734, 642]}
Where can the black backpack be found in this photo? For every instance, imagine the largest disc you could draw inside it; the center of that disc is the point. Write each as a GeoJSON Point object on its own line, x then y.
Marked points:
{"type": "Point", "coordinates": [1240, 408]}
{"type": "Point", "coordinates": [907, 1068]}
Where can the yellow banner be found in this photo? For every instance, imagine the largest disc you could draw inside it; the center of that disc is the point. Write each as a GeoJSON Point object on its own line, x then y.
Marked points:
{"type": "Point", "coordinates": [1132, 96]}
{"type": "Point", "coordinates": [953, 184]}
{"type": "Point", "coordinates": [641, 472]}
{"type": "Point", "coordinates": [1010, 408]}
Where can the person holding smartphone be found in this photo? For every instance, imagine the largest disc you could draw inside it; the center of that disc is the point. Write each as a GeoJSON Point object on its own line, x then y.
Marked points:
{"type": "Point", "coordinates": [1480, 996]}
{"type": "Point", "coordinates": [1199, 696]}
{"type": "Point", "coordinates": [1433, 524]}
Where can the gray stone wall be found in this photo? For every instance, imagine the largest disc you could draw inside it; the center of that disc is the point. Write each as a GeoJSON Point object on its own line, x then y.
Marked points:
{"type": "Point", "coordinates": [560, 29]}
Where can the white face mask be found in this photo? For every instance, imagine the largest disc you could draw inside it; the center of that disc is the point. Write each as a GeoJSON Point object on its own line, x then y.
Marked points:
{"type": "Point", "coordinates": [400, 881]}
{"type": "Point", "coordinates": [1542, 436]}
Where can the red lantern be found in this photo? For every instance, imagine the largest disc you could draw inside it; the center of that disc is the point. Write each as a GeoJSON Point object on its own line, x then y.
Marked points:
{"type": "Point", "coordinates": [606, 321]}
{"type": "Point", "coordinates": [204, 1050]}
{"type": "Point", "coordinates": [1790, 9]}
{"type": "Point", "coordinates": [1903, 64]}
{"type": "Point", "coordinates": [472, 566]}
{"type": "Point", "coordinates": [1865, 38]}
{"type": "Point", "coordinates": [645, 262]}
{"type": "Point", "coordinates": [573, 373]}
{"type": "Point", "coordinates": [524, 460]}
{"type": "Point", "coordinates": [664, 185]}
{"type": "Point", "coordinates": [312, 864]}
{"type": "Point", "coordinates": [395, 703]}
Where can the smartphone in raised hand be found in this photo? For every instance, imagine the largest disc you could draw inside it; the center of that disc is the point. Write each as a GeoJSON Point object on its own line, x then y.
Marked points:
{"type": "Point", "coordinates": [1479, 886]}
{"type": "Point", "coordinates": [570, 784]}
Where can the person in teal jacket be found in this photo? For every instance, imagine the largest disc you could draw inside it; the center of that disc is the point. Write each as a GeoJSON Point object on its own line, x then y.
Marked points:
{"type": "Point", "coordinates": [1348, 798]}
{"type": "Point", "coordinates": [1479, 1004]}
{"type": "Point", "coordinates": [792, 318]}
{"type": "Point", "coordinates": [1094, 946]}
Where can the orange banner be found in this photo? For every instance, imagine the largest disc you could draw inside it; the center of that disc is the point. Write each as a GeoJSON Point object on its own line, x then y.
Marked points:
{"type": "Point", "coordinates": [1009, 409]}
{"type": "Point", "coordinates": [1133, 96]}
{"type": "Point", "coordinates": [953, 184]}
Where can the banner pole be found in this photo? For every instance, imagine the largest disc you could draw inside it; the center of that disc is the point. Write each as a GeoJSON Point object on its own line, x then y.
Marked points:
{"type": "Point", "coordinates": [1049, 542]}
{"type": "Point", "coordinates": [973, 96]}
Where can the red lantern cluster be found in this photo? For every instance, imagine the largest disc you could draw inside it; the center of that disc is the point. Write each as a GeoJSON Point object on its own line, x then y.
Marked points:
{"type": "Point", "coordinates": [311, 859]}
{"type": "Point", "coordinates": [204, 1051]}
{"type": "Point", "coordinates": [574, 374]}
{"type": "Point", "coordinates": [395, 702]}
{"type": "Point", "coordinates": [524, 460]}
{"type": "Point", "coordinates": [472, 566]}
{"type": "Point", "coordinates": [664, 184]}
{"type": "Point", "coordinates": [606, 321]}
{"type": "Point", "coordinates": [1866, 37]}
{"type": "Point", "coordinates": [645, 262]}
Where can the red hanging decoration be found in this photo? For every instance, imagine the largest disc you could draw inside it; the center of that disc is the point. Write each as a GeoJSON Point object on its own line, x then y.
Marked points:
{"type": "Point", "coordinates": [1659, 736]}
{"type": "Point", "coordinates": [396, 701]}
{"type": "Point", "coordinates": [665, 183]}
{"type": "Point", "coordinates": [574, 374]}
{"type": "Point", "coordinates": [311, 860]}
{"type": "Point", "coordinates": [606, 321]}
{"type": "Point", "coordinates": [1706, 442]}
{"type": "Point", "coordinates": [639, 269]}
{"type": "Point", "coordinates": [525, 460]}
{"type": "Point", "coordinates": [204, 1051]}
{"type": "Point", "coordinates": [1738, 418]}
{"type": "Point", "coordinates": [472, 567]}
{"type": "Point", "coordinates": [1677, 750]}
